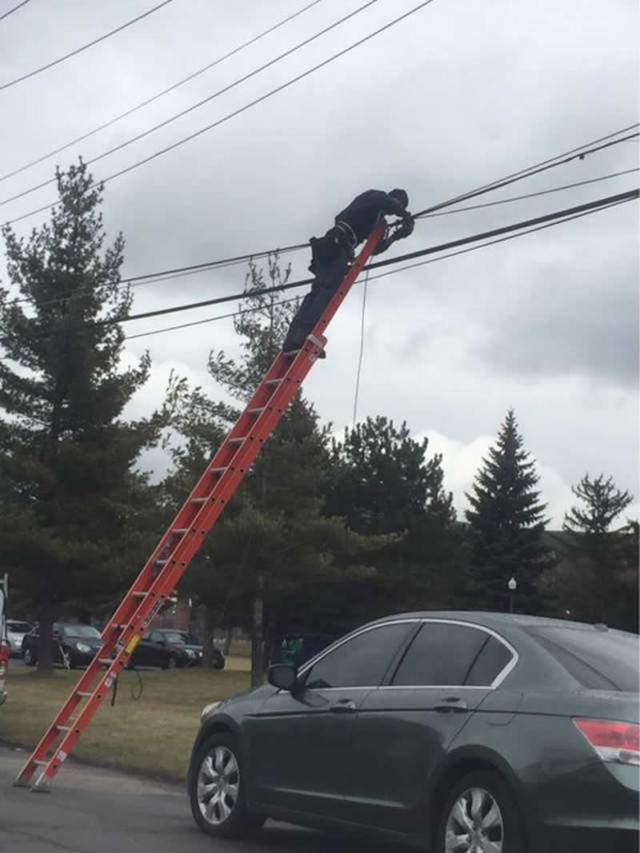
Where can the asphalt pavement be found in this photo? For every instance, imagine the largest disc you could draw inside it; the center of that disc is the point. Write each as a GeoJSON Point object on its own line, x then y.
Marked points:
{"type": "Point", "coordinates": [91, 810]}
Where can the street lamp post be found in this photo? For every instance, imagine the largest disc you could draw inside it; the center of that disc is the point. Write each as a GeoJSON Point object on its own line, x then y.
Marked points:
{"type": "Point", "coordinates": [512, 586]}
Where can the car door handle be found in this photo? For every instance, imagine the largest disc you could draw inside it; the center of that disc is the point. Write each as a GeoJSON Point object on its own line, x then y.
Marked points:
{"type": "Point", "coordinates": [451, 704]}
{"type": "Point", "coordinates": [343, 706]}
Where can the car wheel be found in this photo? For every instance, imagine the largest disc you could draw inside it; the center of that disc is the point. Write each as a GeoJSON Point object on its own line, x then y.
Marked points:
{"type": "Point", "coordinates": [480, 815]}
{"type": "Point", "coordinates": [218, 663]}
{"type": "Point", "coordinates": [216, 790]}
{"type": "Point", "coordinates": [28, 657]}
{"type": "Point", "coordinates": [172, 662]}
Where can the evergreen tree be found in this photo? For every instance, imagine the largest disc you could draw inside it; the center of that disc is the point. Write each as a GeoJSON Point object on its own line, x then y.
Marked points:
{"type": "Point", "coordinates": [382, 482]}
{"type": "Point", "coordinates": [506, 523]}
{"type": "Point", "coordinates": [71, 503]}
{"type": "Point", "coordinates": [598, 578]}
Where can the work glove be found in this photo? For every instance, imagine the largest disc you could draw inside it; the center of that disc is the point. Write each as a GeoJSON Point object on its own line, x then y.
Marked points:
{"type": "Point", "coordinates": [405, 229]}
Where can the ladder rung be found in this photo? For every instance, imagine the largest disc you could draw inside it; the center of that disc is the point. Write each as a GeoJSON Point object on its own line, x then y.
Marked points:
{"type": "Point", "coordinates": [83, 694]}
{"type": "Point", "coordinates": [292, 353]}
{"type": "Point", "coordinates": [219, 470]}
{"type": "Point", "coordinates": [160, 562]}
{"type": "Point", "coordinates": [41, 762]}
{"type": "Point", "coordinates": [273, 381]}
{"type": "Point", "coordinates": [180, 531]}
{"type": "Point", "coordinates": [105, 661]}
{"type": "Point", "coordinates": [139, 593]}
{"type": "Point", "coordinates": [256, 411]}
{"type": "Point", "coordinates": [198, 500]}
{"type": "Point", "coordinates": [238, 440]}
{"type": "Point", "coordinates": [63, 728]}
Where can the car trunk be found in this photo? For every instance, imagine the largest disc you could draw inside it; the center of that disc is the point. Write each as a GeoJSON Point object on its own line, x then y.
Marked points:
{"type": "Point", "coordinates": [603, 704]}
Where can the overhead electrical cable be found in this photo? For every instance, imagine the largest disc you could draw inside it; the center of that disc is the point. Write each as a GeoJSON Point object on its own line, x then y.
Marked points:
{"type": "Point", "coordinates": [172, 274]}
{"type": "Point", "coordinates": [511, 236]}
{"type": "Point", "coordinates": [560, 160]}
{"type": "Point", "coordinates": [630, 195]}
{"type": "Point", "coordinates": [526, 227]}
{"type": "Point", "coordinates": [15, 9]}
{"type": "Point", "coordinates": [155, 97]}
{"type": "Point", "coordinates": [85, 46]}
{"type": "Point", "coordinates": [237, 112]}
{"type": "Point", "coordinates": [531, 195]}
{"type": "Point", "coordinates": [197, 105]}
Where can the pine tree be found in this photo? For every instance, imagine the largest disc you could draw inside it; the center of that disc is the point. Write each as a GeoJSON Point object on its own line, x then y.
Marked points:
{"type": "Point", "coordinates": [71, 502]}
{"type": "Point", "coordinates": [506, 522]}
{"type": "Point", "coordinates": [382, 482]}
{"type": "Point", "coordinates": [598, 578]}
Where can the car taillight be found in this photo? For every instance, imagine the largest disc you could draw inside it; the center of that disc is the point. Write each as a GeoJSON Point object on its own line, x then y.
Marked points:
{"type": "Point", "coordinates": [4, 659]}
{"type": "Point", "coordinates": [613, 741]}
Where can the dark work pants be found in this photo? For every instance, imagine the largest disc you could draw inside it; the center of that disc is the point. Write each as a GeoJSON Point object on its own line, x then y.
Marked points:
{"type": "Point", "coordinates": [329, 275]}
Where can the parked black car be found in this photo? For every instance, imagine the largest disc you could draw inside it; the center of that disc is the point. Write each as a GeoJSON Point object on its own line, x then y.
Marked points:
{"type": "Point", "coordinates": [169, 648]}
{"type": "Point", "coordinates": [455, 732]}
{"type": "Point", "coordinates": [73, 645]}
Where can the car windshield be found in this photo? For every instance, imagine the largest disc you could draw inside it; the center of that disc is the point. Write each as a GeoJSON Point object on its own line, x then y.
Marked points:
{"type": "Point", "coordinates": [19, 627]}
{"type": "Point", "coordinates": [180, 637]}
{"type": "Point", "coordinates": [84, 632]}
{"type": "Point", "coordinates": [597, 658]}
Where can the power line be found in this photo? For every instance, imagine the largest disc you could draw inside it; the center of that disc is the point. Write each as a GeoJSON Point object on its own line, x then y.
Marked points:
{"type": "Point", "coordinates": [197, 105]}
{"type": "Point", "coordinates": [15, 9]}
{"type": "Point", "coordinates": [179, 272]}
{"type": "Point", "coordinates": [237, 112]}
{"type": "Point", "coordinates": [531, 195]}
{"type": "Point", "coordinates": [504, 239]}
{"type": "Point", "coordinates": [207, 265]}
{"type": "Point", "coordinates": [551, 163]}
{"type": "Point", "coordinates": [155, 97]}
{"type": "Point", "coordinates": [593, 205]}
{"type": "Point", "coordinates": [84, 47]}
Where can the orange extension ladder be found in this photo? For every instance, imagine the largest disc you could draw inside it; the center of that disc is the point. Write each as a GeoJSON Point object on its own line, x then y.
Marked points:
{"type": "Point", "coordinates": [181, 541]}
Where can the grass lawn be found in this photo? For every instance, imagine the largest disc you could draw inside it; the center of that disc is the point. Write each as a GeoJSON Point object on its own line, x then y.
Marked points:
{"type": "Point", "coordinates": [153, 733]}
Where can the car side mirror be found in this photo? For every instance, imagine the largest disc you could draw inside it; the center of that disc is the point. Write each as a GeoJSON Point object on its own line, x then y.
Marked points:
{"type": "Point", "coordinates": [283, 676]}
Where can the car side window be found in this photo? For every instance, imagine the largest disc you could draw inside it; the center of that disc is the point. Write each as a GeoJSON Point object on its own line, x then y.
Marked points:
{"type": "Point", "coordinates": [440, 655]}
{"type": "Point", "coordinates": [489, 664]}
{"type": "Point", "coordinates": [360, 662]}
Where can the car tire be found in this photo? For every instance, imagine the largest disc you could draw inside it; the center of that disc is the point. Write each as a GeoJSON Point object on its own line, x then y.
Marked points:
{"type": "Point", "coordinates": [29, 658]}
{"type": "Point", "coordinates": [172, 662]}
{"type": "Point", "coordinates": [480, 802]}
{"type": "Point", "coordinates": [220, 811]}
{"type": "Point", "coordinates": [218, 663]}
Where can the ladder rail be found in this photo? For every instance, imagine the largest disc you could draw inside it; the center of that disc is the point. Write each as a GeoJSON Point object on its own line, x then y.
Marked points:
{"type": "Point", "coordinates": [183, 537]}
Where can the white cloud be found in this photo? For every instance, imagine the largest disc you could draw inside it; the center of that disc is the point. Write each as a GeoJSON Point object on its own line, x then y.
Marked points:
{"type": "Point", "coordinates": [459, 94]}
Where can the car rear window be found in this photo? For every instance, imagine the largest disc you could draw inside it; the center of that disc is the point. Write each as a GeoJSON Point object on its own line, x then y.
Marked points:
{"type": "Point", "coordinates": [597, 658]}
{"type": "Point", "coordinates": [18, 627]}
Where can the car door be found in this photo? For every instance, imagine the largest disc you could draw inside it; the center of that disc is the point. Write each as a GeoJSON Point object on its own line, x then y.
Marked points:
{"type": "Point", "coordinates": [145, 653]}
{"type": "Point", "coordinates": [405, 727]}
{"type": "Point", "coordinates": [157, 651]}
{"type": "Point", "coordinates": [301, 743]}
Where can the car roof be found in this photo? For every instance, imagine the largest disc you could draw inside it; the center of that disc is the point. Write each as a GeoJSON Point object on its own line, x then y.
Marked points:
{"type": "Point", "coordinates": [492, 619]}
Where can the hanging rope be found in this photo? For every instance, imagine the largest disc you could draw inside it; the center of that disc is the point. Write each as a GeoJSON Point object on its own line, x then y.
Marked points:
{"type": "Point", "coordinates": [361, 355]}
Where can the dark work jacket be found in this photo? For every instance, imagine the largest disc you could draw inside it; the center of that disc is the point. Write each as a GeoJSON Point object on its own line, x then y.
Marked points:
{"type": "Point", "coordinates": [363, 212]}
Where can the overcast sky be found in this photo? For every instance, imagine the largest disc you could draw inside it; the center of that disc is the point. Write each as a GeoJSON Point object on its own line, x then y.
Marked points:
{"type": "Point", "coordinates": [458, 94]}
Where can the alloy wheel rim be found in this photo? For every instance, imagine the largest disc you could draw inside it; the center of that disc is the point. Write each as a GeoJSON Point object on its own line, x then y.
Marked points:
{"type": "Point", "coordinates": [475, 824]}
{"type": "Point", "coordinates": [218, 785]}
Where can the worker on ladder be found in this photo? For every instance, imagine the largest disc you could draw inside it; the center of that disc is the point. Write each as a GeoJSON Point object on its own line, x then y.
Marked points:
{"type": "Point", "coordinates": [332, 254]}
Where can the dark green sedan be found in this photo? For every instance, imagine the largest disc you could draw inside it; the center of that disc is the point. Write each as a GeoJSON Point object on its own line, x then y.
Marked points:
{"type": "Point", "coordinates": [452, 732]}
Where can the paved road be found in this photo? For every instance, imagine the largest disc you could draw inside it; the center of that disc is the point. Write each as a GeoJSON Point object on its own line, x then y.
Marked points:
{"type": "Point", "coordinates": [100, 811]}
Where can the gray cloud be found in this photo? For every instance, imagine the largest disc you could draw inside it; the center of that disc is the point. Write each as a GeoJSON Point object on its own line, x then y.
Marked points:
{"type": "Point", "coordinates": [460, 94]}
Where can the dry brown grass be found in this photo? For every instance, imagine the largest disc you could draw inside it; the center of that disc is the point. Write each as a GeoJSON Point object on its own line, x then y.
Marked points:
{"type": "Point", "coordinates": [153, 733]}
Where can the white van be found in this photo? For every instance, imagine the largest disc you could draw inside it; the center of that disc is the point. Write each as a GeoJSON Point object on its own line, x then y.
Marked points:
{"type": "Point", "coordinates": [4, 644]}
